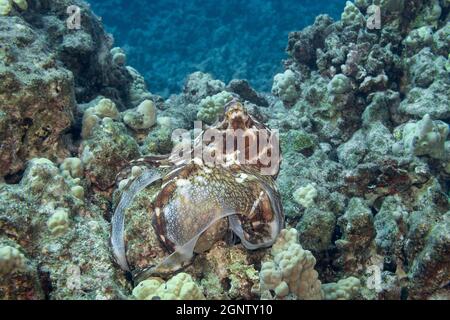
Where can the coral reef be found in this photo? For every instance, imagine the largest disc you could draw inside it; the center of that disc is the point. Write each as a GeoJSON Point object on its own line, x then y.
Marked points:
{"type": "Point", "coordinates": [193, 205]}
{"type": "Point", "coordinates": [360, 205]}
{"type": "Point", "coordinates": [59, 233]}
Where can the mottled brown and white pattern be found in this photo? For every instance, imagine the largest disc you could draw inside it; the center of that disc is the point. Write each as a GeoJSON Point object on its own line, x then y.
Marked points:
{"type": "Point", "coordinates": [199, 204]}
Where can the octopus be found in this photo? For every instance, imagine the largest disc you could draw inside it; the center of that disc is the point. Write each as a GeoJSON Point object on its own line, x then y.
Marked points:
{"type": "Point", "coordinates": [195, 204]}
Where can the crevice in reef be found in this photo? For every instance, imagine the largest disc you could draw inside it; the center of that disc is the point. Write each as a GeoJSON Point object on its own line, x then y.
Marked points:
{"type": "Point", "coordinates": [14, 178]}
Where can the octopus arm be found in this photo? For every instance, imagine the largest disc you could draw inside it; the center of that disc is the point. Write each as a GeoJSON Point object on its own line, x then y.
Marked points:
{"type": "Point", "coordinates": [275, 225]}
{"type": "Point", "coordinates": [118, 219]}
{"type": "Point", "coordinates": [183, 251]}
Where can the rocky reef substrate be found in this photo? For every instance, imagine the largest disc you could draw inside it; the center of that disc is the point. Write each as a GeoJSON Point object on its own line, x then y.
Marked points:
{"type": "Point", "coordinates": [363, 115]}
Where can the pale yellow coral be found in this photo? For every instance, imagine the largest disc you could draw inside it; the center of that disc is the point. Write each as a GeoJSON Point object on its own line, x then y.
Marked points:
{"type": "Point", "coordinates": [291, 272]}
{"type": "Point", "coordinates": [285, 86]}
{"type": "Point", "coordinates": [305, 195]}
{"type": "Point", "coordinates": [58, 223]}
{"type": "Point", "coordinates": [5, 7]}
{"type": "Point", "coordinates": [104, 109]}
{"type": "Point", "coordinates": [11, 260]}
{"type": "Point", "coordinates": [143, 117]}
{"type": "Point", "coordinates": [90, 120]}
{"type": "Point", "coordinates": [22, 4]}
{"type": "Point", "coordinates": [72, 167]}
{"type": "Point", "coordinates": [147, 289]}
{"type": "Point", "coordinates": [78, 192]}
{"type": "Point", "coordinates": [212, 107]}
{"type": "Point", "coordinates": [179, 287]}
{"type": "Point", "coordinates": [344, 289]}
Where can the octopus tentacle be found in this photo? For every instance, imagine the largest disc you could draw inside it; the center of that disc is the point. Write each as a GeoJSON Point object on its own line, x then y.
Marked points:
{"type": "Point", "coordinates": [118, 219]}
{"type": "Point", "coordinates": [259, 226]}
{"type": "Point", "coordinates": [182, 255]}
{"type": "Point", "coordinates": [148, 161]}
{"type": "Point", "coordinates": [198, 204]}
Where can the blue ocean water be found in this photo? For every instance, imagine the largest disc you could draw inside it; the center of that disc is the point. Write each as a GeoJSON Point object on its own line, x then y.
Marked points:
{"type": "Point", "coordinates": [232, 39]}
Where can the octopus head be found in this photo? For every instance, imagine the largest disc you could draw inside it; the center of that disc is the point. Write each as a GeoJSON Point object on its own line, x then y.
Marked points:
{"type": "Point", "coordinates": [236, 116]}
